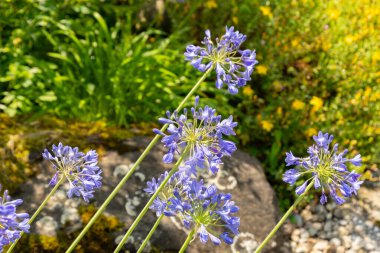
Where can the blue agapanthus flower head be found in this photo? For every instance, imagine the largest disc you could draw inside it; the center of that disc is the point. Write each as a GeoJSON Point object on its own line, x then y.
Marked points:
{"type": "Point", "coordinates": [203, 132]}
{"type": "Point", "coordinates": [200, 207]}
{"type": "Point", "coordinates": [11, 223]}
{"type": "Point", "coordinates": [327, 167]}
{"type": "Point", "coordinates": [233, 66]}
{"type": "Point", "coordinates": [210, 210]}
{"type": "Point", "coordinates": [176, 183]}
{"type": "Point", "coordinates": [81, 170]}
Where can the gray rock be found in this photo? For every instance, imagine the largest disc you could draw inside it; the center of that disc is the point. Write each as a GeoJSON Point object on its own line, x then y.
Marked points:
{"type": "Point", "coordinates": [296, 235]}
{"type": "Point", "coordinates": [320, 209]}
{"type": "Point", "coordinates": [340, 249]}
{"type": "Point", "coordinates": [347, 230]}
{"type": "Point", "coordinates": [338, 212]}
{"type": "Point", "coordinates": [70, 215]}
{"type": "Point", "coordinates": [359, 229]}
{"type": "Point", "coordinates": [357, 243]}
{"type": "Point", "coordinates": [330, 206]}
{"type": "Point", "coordinates": [372, 199]}
{"type": "Point", "coordinates": [370, 245]}
{"type": "Point", "coordinates": [335, 241]}
{"type": "Point", "coordinates": [320, 217]}
{"type": "Point", "coordinates": [321, 245]}
{"type": "Point", "coordinates": [312, 231]}
{"type": "Point", "coordinates": [334, 233]}
{"type": "Point", "coordinates": [343, 231]}
{"type": "Point", "coordinates": [241, 175]}
{"type": "Point", "coordinates": [304, 234]}
{"type": "Point", "coordinates": [347, 241]}
{"type": "Point", "coordinates": [298, 219]}
{"type": "Point", "coordinates": [47, 226]}
{"type": "Point", "coordinates": [328, 226]}
{"type": "Point", "coordinates": [369, 223]}
{"type": "Point", "coordinates": [303, 248]}
{"type": "Point", "coordinates": [307, 215]}
{"type": "Point", "coordinates": [317, 226]}
{"type": "Point", "coordinates": [343, 222]}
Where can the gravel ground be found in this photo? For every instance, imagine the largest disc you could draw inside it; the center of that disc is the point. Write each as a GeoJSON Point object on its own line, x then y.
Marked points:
{"type": "Point", "coordinates": [350, 228]}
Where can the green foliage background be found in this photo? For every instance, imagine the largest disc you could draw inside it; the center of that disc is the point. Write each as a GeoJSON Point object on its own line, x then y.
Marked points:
{"type": "Point", "coordinates": [121, 62]}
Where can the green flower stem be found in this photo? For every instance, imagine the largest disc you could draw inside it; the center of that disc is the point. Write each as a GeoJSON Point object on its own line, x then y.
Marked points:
{"type": "Point", "coordinates": [154, 196]}
{"type": "Point", "coordinates": [38, 211]}
{"type": "Point", "coordinates": [147, 238]}
{"type": "Point", "coordinates": [188, 240]}
{"type": "Point", "coordinates": [283, 219]}
{"type": "Point", "coordinates": [132, 170]}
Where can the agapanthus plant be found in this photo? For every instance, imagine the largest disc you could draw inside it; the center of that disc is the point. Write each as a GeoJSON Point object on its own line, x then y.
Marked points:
{"type": "Point", "coordinates": [200, 145]}
{"type": "Point", "coordinates": [203, 132]}
{"type": "Point", "coordinates": [81, 170]}
{"type": "Point", "coordinates": [201, 208]}
{"type": "Point", "coordinates": [233, 66]}
{"type": "Point", "coordinates": [12, 224]}
{"type": "Point", "coordinates": [327, 168]}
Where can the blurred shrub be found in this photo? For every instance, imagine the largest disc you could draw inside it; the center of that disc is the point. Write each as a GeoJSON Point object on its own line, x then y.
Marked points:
{"type": "Point", "coordinates": [63, 58]}
{"type": "Point", "coordinates": [318, 71]}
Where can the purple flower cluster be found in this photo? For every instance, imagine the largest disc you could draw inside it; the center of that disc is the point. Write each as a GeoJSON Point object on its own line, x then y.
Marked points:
{"type": "Point", "coordinates": [233, 66]}
{"type": "Point", "coordinates": [11, 223]}
{"type": "Point", "coordinates": [200, 207]}
{"type": "Point", "coordinates": [328, 169]}
{"type": "Point", "coordinates": [81, 170]}
{"type": "Point", "coordinates": [203, 133]}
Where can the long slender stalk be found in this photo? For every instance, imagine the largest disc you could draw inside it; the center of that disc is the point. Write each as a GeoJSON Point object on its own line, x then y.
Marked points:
{"type": "Point", "coordinates": [132, 170]}
{"type": "Point", "coordinates": [34, 216]}
{"type": "Point", "coordinates": [188, 240]}
{"type": "Point", "coordinates": [283, 219]}
{"type": "Point", "coordinates": [147, 238]}
{"type": "Point", "coordinates": [154, 196]}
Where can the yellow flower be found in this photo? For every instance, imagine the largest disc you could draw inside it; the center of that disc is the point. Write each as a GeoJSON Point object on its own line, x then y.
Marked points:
{"type": "Point", "coordinates": [261, 69]}
{"type": "Point", "coordinates": [376, 57]}
{"type": "Point", "coordinates": [311, 131]}
{"type": "Point", "coordinates": [266, 11]}
{"type": "Point", "coordinates": [367, 92]}
{"type": "Point", "coordinates": [279, 111]}
{"type": "Point", "coordinates": [247, 90]}
{"type": "Point", "coordinates": [16, 41]}
{"type": "Point", "coordinates": [266, 125]}
{"type": "Point", "coordinates": [375, 96]}
{"type": "Point", "coordinates": [316, 102]}
{"type": "Point", "coordinates": [334, 13]}
{"type": "Point", "coordinates": [295, 42]}
{"type": "Point", "coordinates": [211, 4]}
{"type": "Point", "coordinates": [349, 39]}
{"type": "Point", "coordinates": [377, 130]}
{"type": "Point", "coordinates": [326, 46]}
{"type": "Point", "coordinates": [298, 104]}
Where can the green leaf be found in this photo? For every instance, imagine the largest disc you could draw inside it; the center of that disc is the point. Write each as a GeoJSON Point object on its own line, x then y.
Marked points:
{"type": "Point", "coordinates": [48, 97]}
